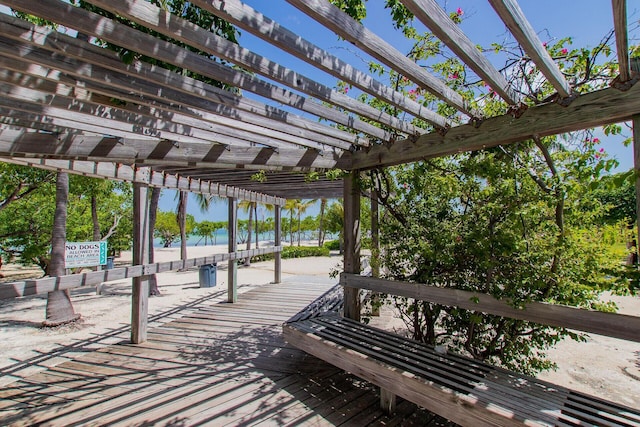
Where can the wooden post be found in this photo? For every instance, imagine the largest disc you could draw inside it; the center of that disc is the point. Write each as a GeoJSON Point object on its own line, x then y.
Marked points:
{"type": "Point", "coordinates": [387, 401]}
{"type": "Point", "coordinates": [278, 242]}
{"type": "Point", "coordinates": [352, 243]}
{"type": "Point", "coordinates": [375, 250]}
{"type": "Point", "coordinates": [232, 286]}
{"type": "Point", "coordinates": [140, 292]}
{"type": "Point", "coordinates": [636, 164]}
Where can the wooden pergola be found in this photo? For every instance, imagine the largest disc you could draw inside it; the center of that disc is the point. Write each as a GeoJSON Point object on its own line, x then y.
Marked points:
{"type": "Point", "coordinates": [169, 130]}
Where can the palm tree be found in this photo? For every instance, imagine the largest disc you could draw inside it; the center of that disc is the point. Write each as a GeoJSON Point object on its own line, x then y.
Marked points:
{"type": "Point", "coordinates": [323, 205]}
{"type": "Point", "coordinates": [248, 206]}
{"type": "Point", "coordinates": [59, 308]}
{"type": "Point", "coordinates": [290, 205]}
{"type": "Point", "coordinates": [181, 218]}
{"type": "Point", "coordinates": [301, 207]}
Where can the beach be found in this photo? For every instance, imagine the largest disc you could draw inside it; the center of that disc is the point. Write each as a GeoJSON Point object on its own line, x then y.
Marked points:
{"type": "Point", "coordinates": [602, 366]}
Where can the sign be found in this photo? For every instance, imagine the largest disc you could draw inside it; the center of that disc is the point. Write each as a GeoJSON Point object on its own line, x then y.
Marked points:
{"type": "Point", "coordinates": [85, 254]}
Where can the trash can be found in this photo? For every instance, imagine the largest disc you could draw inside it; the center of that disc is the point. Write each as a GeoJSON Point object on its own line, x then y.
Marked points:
{"type": "Point", "coordinates": [109, 263]}
{"type": "Point", "coordinates": [208, 275]}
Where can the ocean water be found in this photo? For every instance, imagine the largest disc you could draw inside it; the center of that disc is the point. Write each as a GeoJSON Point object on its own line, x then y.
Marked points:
{"type": "Point", "coordinates": [222, 238]}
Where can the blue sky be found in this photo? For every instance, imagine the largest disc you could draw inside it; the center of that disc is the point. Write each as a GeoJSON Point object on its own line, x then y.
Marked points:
{"type": "Point", "coordinates": [586, 22]}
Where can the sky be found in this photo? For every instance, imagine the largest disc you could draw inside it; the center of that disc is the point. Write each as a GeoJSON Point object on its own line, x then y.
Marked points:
{"type": "Point", "coordinates": [586, 22]}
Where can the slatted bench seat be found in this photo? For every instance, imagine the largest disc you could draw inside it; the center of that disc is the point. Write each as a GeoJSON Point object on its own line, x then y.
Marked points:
{"type": "Point", "coordinates": [458, 388]}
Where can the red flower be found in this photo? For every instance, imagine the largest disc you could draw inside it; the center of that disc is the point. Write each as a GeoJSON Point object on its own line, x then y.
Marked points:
{"type": "Point", "coordinates": [596, 140]}
{"type": "Point", "coordinates": [459, 12]}
{"type": "Point", "coordinates": [564, 51]}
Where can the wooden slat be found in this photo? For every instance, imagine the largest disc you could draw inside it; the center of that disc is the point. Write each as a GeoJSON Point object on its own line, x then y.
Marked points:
{"type": "Point", "coordinates": [122, 172]}
{"type": "Point", "coordinates": [586, 111]}
{"type": "Point", "coordinates": [48, 284]}
{"type": "Point", "coordinates": [254, 22]}
{"type": "Point", "coordinates": [609, 324]}
{"type": "Point", "coordinates": [349, 29]}
{"type": "Point", "coordinates": [513, 17]}
{"type": "Point", "coordinates": [622, 40]}
{"type": "Point", "coordinates": [437, 20]}
{"type": "Point", "coordinates": [88, 62]}
{"type": "Point", "coordinates": [151, 16]}
{"type": "Point", "coordinates": [121, 35]}
{"type": "Point", "coordinates": [16, 141]}
{"type": "Point", "coordinates": [106, 119]}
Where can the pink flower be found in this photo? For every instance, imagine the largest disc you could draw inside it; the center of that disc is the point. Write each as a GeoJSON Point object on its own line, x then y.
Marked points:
{"type": "Point", "coordinates": [346, 89]}
{"type": "Point", "coordinates": [544, 44]}
{"type": "Point", "coordinates": [597, 156]}
{"type": "Point", "coordinates": [564, 51]}
{"type": "Point", "coordinates": [405, 185]}
{"type": "Point", "coordinates": [459, 12]}
{"type": "Point", "coordinates": [596, 140]}
{"type": "Point", "coordinates": [601, 150]}
{"type": "Point", "coordinates": [453, 76]}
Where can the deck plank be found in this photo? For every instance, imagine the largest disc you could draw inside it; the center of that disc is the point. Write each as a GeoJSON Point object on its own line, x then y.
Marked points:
{"type": "Point", "coordinates": [213, 364]}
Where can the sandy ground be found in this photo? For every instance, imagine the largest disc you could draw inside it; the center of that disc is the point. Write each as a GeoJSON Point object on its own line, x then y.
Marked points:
{"type": "Point", "coordinates": [602, 366]}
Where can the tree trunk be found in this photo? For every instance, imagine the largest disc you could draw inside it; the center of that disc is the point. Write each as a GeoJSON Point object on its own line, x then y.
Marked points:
{"type": "Point", "coordinates": [182, 223]}
{"type": "Point", "coordinates": [255, 214]}
{"type": "Point", "coordinates": [94, 218]}
{"type": "Point", "coordinates": [299, 214]}
{"type": "Point", "coordinates": [247, 260]}
{"type": "Point", "coordinates": [323, 205]}
{"type": "Point", "coordinates": [291, 228]}
{"type": "Point", "coordinates": [59, 309]}
{"type": "Point", "coordinates": [153, 211]}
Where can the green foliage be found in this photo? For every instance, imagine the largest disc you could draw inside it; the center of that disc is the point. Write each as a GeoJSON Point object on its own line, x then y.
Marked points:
{"type": "Point", "coordinates": [27, 202]}
{"type": "Point", "coordinates": [295, 252]}
{"type": "Point", "coordinates": [332, 245]}
{"type": "Point", "coordinates": [167, 229]}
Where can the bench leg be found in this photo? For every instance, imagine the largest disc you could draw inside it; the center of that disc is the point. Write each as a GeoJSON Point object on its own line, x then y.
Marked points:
{"type": "Point", "coordinates": [387, 401]}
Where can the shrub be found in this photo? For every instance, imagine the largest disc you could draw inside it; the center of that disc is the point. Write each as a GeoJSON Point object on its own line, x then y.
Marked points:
{"type": "Point", "coordinates": [295, 252]}
{"type": "Point", "coordinates": [332, 245]}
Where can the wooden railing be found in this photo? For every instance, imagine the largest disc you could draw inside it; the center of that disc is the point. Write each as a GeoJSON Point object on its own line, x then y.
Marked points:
{"type": "Point", "coordinates": [94, 278]}
{"type": "Point", "coordinates": [609, 324]}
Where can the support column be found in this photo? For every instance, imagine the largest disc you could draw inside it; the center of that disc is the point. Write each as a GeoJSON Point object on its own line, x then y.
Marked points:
{"type": "Point", "coordinates": [636, 164]}
{"type": "Point", "coordinates": [141, 237]}
{"type": "Point", "coordinates": [232, 286]}
{"type": "Point", "coordinates": [375, 250]}
{"type": "Point", "coordinates": [352, 243]}
{"type": "Point", "coordinates": [278, 243]}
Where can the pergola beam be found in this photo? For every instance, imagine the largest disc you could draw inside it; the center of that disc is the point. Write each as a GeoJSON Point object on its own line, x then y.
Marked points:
{"type": "Point", "coordinates": [121, 172]}
{"type": "Point", "coordinates": [122, 35]}
{"type": "Point", "coordinates": [86, 62]}
{"type": "Point", "coordinates": [437, 20]}
{"type": "Point", "coordinates": [252, 21]}
{"type": "Point", "coordinates": [586, 111]}
{"type": "Point", "coordinates": [100, 148]}
{"type": "Point", "coordinates": [513, 17]}
{"type": "Point", "coordinates": [349, 29]}
{"type": "Point", "coordinates": [153, 17]}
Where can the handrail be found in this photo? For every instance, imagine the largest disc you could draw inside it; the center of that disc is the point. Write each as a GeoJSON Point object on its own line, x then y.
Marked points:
{"type": "Point", "coordinates": [92, 278]}
{"type": "Point", "coordinates": [609, 324]}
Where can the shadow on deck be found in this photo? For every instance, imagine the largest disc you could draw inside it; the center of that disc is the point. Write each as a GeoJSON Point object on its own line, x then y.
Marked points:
{"type": "Point", "coordinates": [215, 364]}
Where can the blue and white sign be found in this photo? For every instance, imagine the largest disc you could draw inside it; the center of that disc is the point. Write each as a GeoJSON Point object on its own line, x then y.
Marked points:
{"type": "Point", "coordinates": [85, 254]}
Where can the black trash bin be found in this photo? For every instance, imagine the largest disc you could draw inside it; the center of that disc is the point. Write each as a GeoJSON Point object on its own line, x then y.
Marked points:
{"type": "Point", "coordinates": [109, 263]}
{"type": "Point", "coordinates": [207, 274]}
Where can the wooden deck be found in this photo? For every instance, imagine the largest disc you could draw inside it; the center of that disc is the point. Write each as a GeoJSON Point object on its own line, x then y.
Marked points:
{"type": "Point", "coordinates": [220, 364]}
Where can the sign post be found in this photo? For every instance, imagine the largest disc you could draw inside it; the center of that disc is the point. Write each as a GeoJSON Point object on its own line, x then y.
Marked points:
{"type": "Point", "coordinates": [85, 254]}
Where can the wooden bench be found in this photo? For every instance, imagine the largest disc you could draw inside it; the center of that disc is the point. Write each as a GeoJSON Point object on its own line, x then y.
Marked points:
{"type": "Point", "coordinates": [460, 389]}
